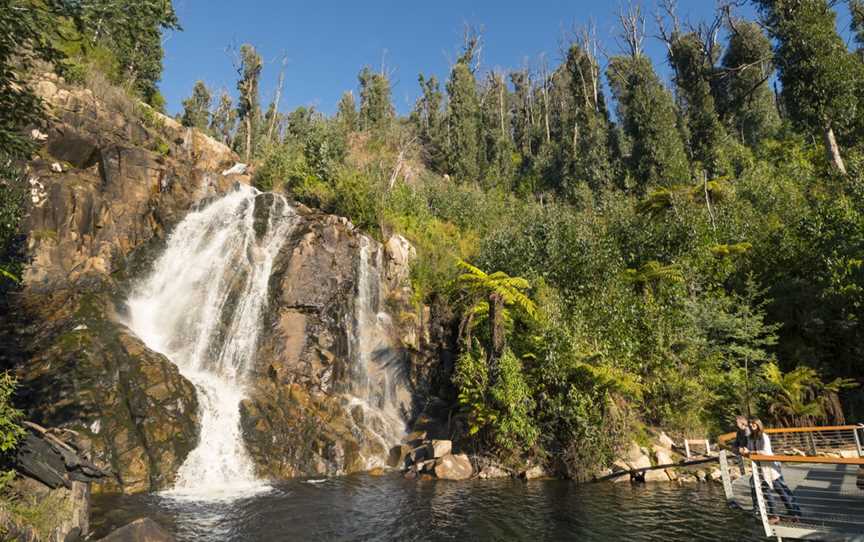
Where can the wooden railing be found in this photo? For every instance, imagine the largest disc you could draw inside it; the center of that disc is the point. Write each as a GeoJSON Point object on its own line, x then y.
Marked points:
{"type": "Point", "coordinates": [812, 441]}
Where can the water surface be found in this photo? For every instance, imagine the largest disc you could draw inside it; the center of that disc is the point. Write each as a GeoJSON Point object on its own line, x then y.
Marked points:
{"type": "Point", "coordinates": [389, 508]}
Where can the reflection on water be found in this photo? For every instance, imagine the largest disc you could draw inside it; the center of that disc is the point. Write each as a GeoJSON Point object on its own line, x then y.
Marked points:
{"type": "Point", "coordinates": [390, 508]}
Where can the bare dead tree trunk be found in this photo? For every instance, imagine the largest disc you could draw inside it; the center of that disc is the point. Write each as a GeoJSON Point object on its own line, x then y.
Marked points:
{"type": "Point", "coordinates": [400, 161]}
{"type": "Point", "coordinates": [276, 100]}
{"type": "Point", "coordinates": [501, 106]}
{"type": "Point", "coordinates": [248, 151]}
{"type": "Point", "coordinates": [632, 28]}
{"type": "Point", "coordinates": [833, 149]}
{"type": "Point", "coordinates": [544, 89]}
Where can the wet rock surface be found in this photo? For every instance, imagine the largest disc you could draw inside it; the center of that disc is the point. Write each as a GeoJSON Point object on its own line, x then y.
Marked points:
{"type": "Point", "coordinates": [89, 374]}
{"type": "Point", "coordinates": [304, 415]}
{"type": "Point", "coordinates": [54, 471]}
{"type": "Point", "coordinates": [109, 187]}
{"type": "Point", "coordinates": [140, 530]}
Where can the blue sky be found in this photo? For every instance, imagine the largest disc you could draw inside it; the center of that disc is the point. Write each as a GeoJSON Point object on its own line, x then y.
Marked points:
{"type": "Point", "coordinates": [327, 42]}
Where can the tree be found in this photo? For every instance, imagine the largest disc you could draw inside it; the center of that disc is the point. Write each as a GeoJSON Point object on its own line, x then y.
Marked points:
{"type": "Point", "coordinates": [819, 75]}
{"type": "Point", "coordinates": [376, 108]}
{"type": "Point", "coordinates": [132, 31]}
{"type": "Point", "coordinates": [856, 25]}
{"type": "Point", "coordinates": [346, 111]}
{"type": "Point", "coordinates": [744, 98]}
{"type": "Point", "coordinates": [523, 113]}
{"type": "Point", "coordinates": [224, 119]}
{"type": "Point", "coordinates": [490, 296]}
{"type": "Point", "coordinates": [646, 111]}
{"type": "Point", "coordinates": [496, 143]}
{"type": "Point", "coordinates": [248, 108]}
{"type": "Point", "coordinates": [24, 40]}
{"type": "Point", "coordinates": [463, 116]}
{"type": "Point", "coordinates": [196, 108]}
{"type": "Point", "coordinates": [690, 60]}
{"type": "Point", "coordinates": [591, 146]}
{"type": "Point", "coordinates": [800, 397]}
{"type": "Point", "coordinates": [428, 118]}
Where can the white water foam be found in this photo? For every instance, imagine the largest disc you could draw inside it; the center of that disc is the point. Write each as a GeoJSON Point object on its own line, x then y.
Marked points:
{"type": "Point", "coordinates": [201, 307]}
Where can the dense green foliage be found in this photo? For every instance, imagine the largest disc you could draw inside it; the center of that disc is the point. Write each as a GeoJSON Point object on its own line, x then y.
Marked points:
{"type": "Point", "coordinates": [696, 258]}
{"type": "Point", "coordinates": [196, 109]}
{"type": "Point", "coordinates": [10, 430]}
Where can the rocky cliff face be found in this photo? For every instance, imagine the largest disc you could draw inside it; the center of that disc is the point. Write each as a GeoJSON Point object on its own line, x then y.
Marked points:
{"type": "Point", "coordinates": [306, 415]}
{"type": "Point", "coordinates": [110, 184]}
{"type": "Point", "coordinates": [106, 188]}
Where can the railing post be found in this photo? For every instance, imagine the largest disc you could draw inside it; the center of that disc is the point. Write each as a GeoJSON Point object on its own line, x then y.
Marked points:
{"type": "Point", "coordinates": [760, 498]}
{"type": "Point", "coordinates": [858, 439]}
{"type": "Point", "coordinates": [687, 447]}
{"type": "Point", "coordinates": [812, 443]}
{"type": "Point", "coordinates": [724, 473]}
{"type": "Point", "coordinates": [707, 447]}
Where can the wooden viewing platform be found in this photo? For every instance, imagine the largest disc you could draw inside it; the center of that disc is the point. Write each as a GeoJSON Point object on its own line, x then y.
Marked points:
{"type": "Point", "coordinates": [828, 487]}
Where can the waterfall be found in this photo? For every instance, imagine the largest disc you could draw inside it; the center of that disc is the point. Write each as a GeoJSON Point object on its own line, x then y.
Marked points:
{"type": "Point", "coordinates": [201, 307]}
{"type": "Point", "coordinates": [374, 371]}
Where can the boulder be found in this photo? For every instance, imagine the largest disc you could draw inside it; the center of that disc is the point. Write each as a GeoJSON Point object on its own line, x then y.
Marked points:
{"type": "Point", "coordinates": [662, 455]}
{"type": "Point", "coordinates": [453, 467]}
{"type": "Point", "coordinates": [534, 473]}
{"type": "Point", "coordinates": [54, 473]}
{"type": "Point", "coordinates": [440, 448]}
{"type": "Point", "coordinates": [91, 375]}
{"type": "Point", "coordinates": [415, 438]}
{"type": "Point", "coordinates": [397, 456]}
{"type": "Point", "coordinates": [715, 475]}
{"type": "Point", "coordinates": [421, 453]}
{"type": "Point", "coordinates": [140, 530]}
{"type": "Point", "coordinates": [658, 475]}
{"type": "Point", "coordinates": [664, 441]}
{"type": "Point", "coordinates": [637, 458]}
{"type": "Point", "coordinates": [491, 472]}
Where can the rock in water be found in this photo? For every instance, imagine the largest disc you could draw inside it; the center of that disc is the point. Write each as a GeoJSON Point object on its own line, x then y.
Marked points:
{"type": "Point", "coordinates": [492, 472]}
{"type": "Point", "coordinates": [398, 453]}
{"type": "Point", "coordinates": [454, 467]}
{"type": "Point", "coordinates": [534, 473]}
{"type": "Point", "coordinates": [440, 448]}
{"type": "Point", "coordinates": [140, 530]}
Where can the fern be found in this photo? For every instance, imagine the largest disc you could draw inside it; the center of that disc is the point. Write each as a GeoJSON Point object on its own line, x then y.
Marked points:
{"type": "Point", "coordinates": [480, 285]}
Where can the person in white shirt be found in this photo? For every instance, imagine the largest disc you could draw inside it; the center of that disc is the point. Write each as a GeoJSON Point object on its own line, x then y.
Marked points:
{"type": "Point", "coordinates": [770, 474]}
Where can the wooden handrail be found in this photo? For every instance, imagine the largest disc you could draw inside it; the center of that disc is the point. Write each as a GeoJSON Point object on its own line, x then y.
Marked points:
{"type": "Point", "coordinates": [811, 429]}
{"type": "Point", "coordinates": [726, 437]}
{"type": "Point", "coordinates": [808, 459]}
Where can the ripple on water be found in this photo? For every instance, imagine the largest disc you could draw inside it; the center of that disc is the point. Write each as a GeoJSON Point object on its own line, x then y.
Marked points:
{"type": "Point", "coordinates": [390, 508]}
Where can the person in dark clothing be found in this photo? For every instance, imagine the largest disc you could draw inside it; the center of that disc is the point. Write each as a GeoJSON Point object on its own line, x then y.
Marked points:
{"type": "Point", "coordinates": [742, 438]}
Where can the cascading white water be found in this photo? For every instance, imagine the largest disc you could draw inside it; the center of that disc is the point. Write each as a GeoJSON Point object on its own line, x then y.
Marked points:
{"type": "Point", "coordinates": [201, 307]}
{"type": "Point", "coordinates": [373, 382]}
